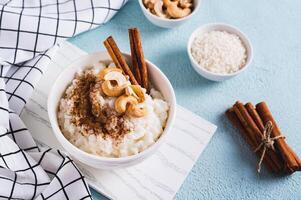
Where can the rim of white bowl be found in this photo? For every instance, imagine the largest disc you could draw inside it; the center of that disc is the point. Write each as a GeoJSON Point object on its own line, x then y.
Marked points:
{"type": "Point", "coordinates": [171, 20]}
{"type": "Point", "coordinates": [242, 36]}
{"type": "Point", "coordinates": [58, 133]}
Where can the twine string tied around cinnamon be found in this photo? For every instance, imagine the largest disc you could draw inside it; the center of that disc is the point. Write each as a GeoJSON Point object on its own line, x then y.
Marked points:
{"type": "Point", "coordinates": [267, 142]}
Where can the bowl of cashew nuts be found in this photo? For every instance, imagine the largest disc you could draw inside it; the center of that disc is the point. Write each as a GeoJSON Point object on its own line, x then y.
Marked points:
{"type": "Point", "coordinates": [169, 13]}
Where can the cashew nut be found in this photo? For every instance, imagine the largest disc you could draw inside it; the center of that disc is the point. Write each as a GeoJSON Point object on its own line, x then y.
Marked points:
{"type": "Point", "coordinates": [105, 71]}
{"type": "Point", "coordinates": [136, 110]}
{"type": "Point", "coordinates": [112, 90]}
{"type": "Point", "coordinates": [149, 3]}
{"type": "Point", "coordinates": [114, 81]}
{"type": "Point", "coordinates": [136, 91]}
{"type": "Point", "coordinates": [122, 102]}
{"type": "Point", "coordinates": [174, 10]}
{"type": "Point", "coordinates": [158, 9]}
{"type": "Point", "coordinates": [116, 76]}
{"type": "Point", "coordinates": [185, 3]}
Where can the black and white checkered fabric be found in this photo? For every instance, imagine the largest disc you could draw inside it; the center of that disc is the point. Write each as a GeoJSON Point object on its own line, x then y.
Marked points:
{"type": "Point", "coordinates": [29, 30]}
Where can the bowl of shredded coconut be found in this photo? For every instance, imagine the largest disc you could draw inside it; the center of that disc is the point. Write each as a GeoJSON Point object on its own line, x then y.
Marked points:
{"type": "Point", "coordinates": [219, 51]}
{"type": "Point", "coordinates": [102, 119]}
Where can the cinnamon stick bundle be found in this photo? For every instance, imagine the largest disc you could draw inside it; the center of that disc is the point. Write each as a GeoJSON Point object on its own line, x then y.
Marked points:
{"type": "Point", "coordinates": [251, 122]}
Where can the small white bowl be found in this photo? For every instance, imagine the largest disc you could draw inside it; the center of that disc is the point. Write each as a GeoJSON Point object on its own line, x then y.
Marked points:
{"type": "Point", "coordinates": [159, 81]}
{"type": "Point", "coordinates": [219, 27]}
{"type": "Point", "coordinates": [168, 23]}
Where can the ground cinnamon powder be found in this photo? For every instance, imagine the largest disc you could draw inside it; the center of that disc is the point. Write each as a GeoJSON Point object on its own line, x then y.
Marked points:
{"type": "Point", "coordinates": [89, 114]}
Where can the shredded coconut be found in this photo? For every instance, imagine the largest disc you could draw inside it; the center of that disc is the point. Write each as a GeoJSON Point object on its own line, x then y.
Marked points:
{"type": "Point", "coordinates": [219, 52]}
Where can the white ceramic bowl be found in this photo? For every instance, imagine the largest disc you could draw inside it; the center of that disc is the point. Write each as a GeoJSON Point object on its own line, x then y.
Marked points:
{"type": "Point", "coordinates": [157, 78]}
{"type": "Point", "coordinates": [219, 27]}
{"type": "Point", "coordinates": [168, 23]}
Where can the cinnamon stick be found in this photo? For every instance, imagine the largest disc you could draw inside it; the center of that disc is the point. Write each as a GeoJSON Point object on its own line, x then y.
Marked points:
{"type": "Point", "coordinates": [245, 124]}
{"type": "Point", "coordinates": [139, 64]}
{"type": "Point", "coordinates": [255, 116]}
{"type": "Point", "coordinates": [290, 158]}
{"type": "Point", "coordinates": [135, 63]}
{"type": "Point", "coordinates": [118, 58]}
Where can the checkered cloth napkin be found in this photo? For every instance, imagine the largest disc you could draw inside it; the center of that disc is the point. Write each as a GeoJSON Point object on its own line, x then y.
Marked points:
{"type": "Point", "coordinates": [28, 30]}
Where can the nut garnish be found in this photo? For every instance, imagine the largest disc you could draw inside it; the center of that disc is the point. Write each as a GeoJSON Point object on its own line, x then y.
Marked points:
{"type": "Point", "coordinates": [110, 90]}
{"type": "Point", "coordinates": [107, 70]}
{"type": "Point", "coordinates": [115, 84]}
{"type": "Point", "coordinates": [122, 103]}
{"type": "Point", "coordinates": [136, 110]}
{"type": "Point", "coordinates": [114, 81]}
{"type": "Point", "coordinates": [136, 91]}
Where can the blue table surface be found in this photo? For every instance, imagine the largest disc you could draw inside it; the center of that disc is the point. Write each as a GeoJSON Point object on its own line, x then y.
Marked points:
{"type": "Point", "coordinates": [226, 169]}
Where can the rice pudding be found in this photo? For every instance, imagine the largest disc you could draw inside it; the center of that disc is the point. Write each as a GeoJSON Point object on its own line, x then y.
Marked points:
{"type": "Point", "coordinates": [103, 114]}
